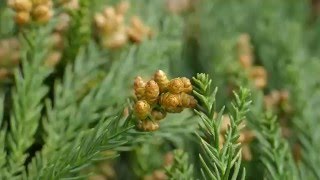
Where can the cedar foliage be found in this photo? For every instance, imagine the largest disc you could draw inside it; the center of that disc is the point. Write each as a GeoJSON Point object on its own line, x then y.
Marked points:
{"type": "Point", "coordinates": [66, 104]}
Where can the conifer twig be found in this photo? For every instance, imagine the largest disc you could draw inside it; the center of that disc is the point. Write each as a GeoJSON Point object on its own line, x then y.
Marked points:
{"type": "Point", "coordinates": [181, 167]}
{"type": "Point", "coordinates": [220, 163]}
{"type": "Point", "coordinates": [275, 151]}
{"type": "Point", "coordinates": [27, 100]}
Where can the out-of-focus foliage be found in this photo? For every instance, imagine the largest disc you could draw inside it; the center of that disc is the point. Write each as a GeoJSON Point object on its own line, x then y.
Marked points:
{"type": "Point", "coordinates": [67, 69]}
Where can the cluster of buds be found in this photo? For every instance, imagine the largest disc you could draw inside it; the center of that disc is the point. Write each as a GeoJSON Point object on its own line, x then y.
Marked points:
{"type": "Point", "coordinates": [113, 30]}
{"type": "Point", "coordinates": [39, 11]}
{"type": "Point", "coordinates": [257, 74]}
{"type": "Point", "coordinates": [9, 57]}
{"type": "Point", "coordinates": [246, 136]}
{"type": "Point", "coordinates": [160, 96]}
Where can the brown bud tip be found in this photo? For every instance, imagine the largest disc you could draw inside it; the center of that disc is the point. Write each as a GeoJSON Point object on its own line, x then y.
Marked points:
{"type": "Point", "coordinates": [176, 86]}
{"type": "Point", "coordinates": [116, 40]}
{"type": "Point", "coordinates": [109, 12]}
{"type": "Point", "coordinates": [53, 59]}
{"type": "Point", "coordinates": [187, 100]}
{"type": "Point", "coordinates": [152, 91]}
{"type": "Point", "coordinates": [170, 102]}
{"type": "Point", "coordinates": [158, 115]}
{"type": "Point", "coordinates": [259, 76]}
{"type": "Point", "coordinates": [142, 109]}
{"type": "Point", "coordinates": [4, 73]}
{"type": "Point", "coordinates": [148, 126]}
{"type": "Point", "coordinates": [246, 60]}
{"type": "Point", "coordinates": [21, 5]}
{"type": "Point", "coordinates": [284, 95]}
{"type": "Point", "coordinates": [139, 87]}
{"type": "Point", "coordinates": [161, 78]}
{"type": "Point", "coordinates": [99, 20]}
{"type": "Point", "coordinates": [22, 17]}
{"type": "Point", "coordinates": [187, 86]}
{"type": "Point", "coordinates": [63, 22]}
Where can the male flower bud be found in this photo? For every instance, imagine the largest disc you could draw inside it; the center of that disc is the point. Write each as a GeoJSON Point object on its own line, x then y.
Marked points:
{"type": "Point", "coordinates": [170, 102]}
{"type": "Point", "coordinates": [42, 13]}
{"type": "Point", "coordinates": [142, 109]}
{"type": "Point", "coordinates": [176, 86]}
{"type": "Point", "coordinates": [246, 60]}
{"type": "Point", "coordinates": [21, 5]}
{"type": "Point", "coordinates": [22, 17]}
{"type": "Point", "coordinates": [162, 80]}
{"type": "Point", "coordinates": [116, 40]}
{"type": "Point", "coordinates": [259, 76]}
{"type": "Point", "coordinates": [138, 31]}
{"type": "Point", "coordinates": [187, 100]}
{"type": "Point", "coordinates": [187, 86]}
{"type": "Point", "coordinates": [158, 115]}
{"type": "Point", "coordinates": [53, 59]}
{"type": "Point", "coordinates": [148, 125]}
{"type": "Point", "coordinates": [139, 87]}
{"type": "Point", "coordinates": [151, 92]}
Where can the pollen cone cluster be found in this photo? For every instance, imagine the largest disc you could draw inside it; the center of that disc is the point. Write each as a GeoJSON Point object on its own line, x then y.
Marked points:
{"type": "Point", "coordinates": [113, 30]}
{"type": "Point", "coordinates": [160, 96]}
{"type": "Point", "coordinates": [39, 11]}
{"type": "Point", "coordinates": [257, 74]}
{"type": "Point", "coordinates": [9, 57]}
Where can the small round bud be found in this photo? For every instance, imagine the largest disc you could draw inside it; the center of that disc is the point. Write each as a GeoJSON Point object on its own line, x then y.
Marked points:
{"type": "Point", "coordinates": [109, 12]}
{"type": "Point", "coordinates": [176, 86]}
{"type": "Point", "coordinates": [138, 31]}
{"type": "Point", "coordinates": [187, 100]}
{"type": "Point", "coordinates": [139, 87]}
{"type": "Point", "coordinates": [63, 22]}
{"type": "Point", "coordinates": [158, 115]}
{"type": "Point", "coordinates": [42, 14]}
{"type": "Point", "coordinates": [115, 41]}
{"type": "Point", "coordinates": [246, 137]}
{"type": "Point", "coordinates": [259, 76]}
{"type": "Point", "coordinates": [187, 86]}
{"type": "Point", "coordinates": [151, 92]}
{"type": "Point", "coordinates": [170, 102]}
{"type": "Point", "coordinates": [99, 20]}
{"type": "Point", "coordinates": [142, 109]}
{"type": "Point", "coordinates": [57, 40]}
{"type": "Point", "coordinates": [22, 17]}
{"type": "Point", "coordinates": [53, 59]}
{"type": "Point", "coordinates": [148, 125]}
{"type": "Point", "coordinates": [21, 5]}
{"type": "Point", "coordinates": [162, 80]}
{"type": "Point", "coordinates": [284, 96]}
{"type": "Point", "coordinates": [4, 73]}
{"type": "Point", "coordinates": [246, 60]}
